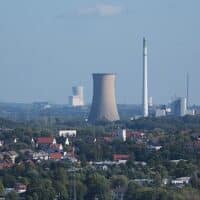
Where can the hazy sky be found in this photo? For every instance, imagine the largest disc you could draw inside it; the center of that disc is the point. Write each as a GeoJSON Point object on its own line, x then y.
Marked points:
{"type": "Point", "coordinates": [47, 46]}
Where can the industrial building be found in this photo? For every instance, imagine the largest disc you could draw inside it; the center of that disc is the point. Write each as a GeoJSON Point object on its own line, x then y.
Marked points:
{"type": "Point", "coordinates": [179, 107]}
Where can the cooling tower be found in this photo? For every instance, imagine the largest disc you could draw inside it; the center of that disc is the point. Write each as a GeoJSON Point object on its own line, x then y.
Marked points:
{"type": "Point", "coordinates": [104, 105]}
{"type": "Point", "coordinates": [78, 91]}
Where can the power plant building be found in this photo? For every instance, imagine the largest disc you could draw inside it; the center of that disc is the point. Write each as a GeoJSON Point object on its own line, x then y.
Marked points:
{"type": "Point", "coordinates": [179, 107]}
{"type": "Point", "coordinates": [77, 98]}
{"type": "Point", "coordinates": [104, 105]}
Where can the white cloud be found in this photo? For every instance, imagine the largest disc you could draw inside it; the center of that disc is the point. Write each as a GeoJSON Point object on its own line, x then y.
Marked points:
{"type": "Point", "coordinates": [104, 10]}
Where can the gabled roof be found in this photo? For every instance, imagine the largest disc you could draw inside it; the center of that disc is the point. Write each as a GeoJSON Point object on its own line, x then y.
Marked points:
{"type": "Point", "coordinates": [45, 140]}
{"type": "Point", "coordinates": [55, 156]}
{"type": "Point", "coordinates": [121, 157]}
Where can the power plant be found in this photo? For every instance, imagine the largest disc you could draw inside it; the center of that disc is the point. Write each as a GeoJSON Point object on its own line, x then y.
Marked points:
{"type": "Point", "coordinates": [145, 81]}
{"type": "Point", "coordinates": [77, 98]}
{"type": "Point", "coordinates": [104, 105]}
{"type": "Point", "coordinates": [179, 107]}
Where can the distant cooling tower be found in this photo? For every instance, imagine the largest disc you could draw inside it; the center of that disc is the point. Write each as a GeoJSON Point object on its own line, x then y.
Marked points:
{"type": "Point", "coordinates": [77, 91]}
{"type": "Point", "coordinates": [104, 105]}
{"type": "Point", "coordinates": [77, 99]}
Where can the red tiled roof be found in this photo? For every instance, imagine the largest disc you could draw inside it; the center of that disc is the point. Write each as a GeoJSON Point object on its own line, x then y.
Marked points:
{"type": "Point", "coordinates": [55, 156]}
{"type": "Point", "coordinates": [120, 157]}
{"type": "Point", "coordinates": [45, 140]}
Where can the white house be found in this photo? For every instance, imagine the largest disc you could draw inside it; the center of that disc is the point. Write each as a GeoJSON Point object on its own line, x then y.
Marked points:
{"type": "Point", "coordinates": [41, 155]}
{"type": "Point", "coordinates": [67, 133]}
{"type": "Point", "coordinates": [181, 180]}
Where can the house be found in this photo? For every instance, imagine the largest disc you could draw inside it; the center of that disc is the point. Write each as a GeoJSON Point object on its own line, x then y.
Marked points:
{"type": "Point", "coordinates": [9, 155]}
{"type": "Point", "coordinates": [41, 155]}
{"type": "Point", "coordinates": [142, 163]}
{"type": "Point", "coordinates": [56, 147]}
{"type": "Point", "coordinates": [177, 161]}
{"type": "Point", "coordinates": [135, 135]}
{"type": "Point", "coordinates": [20, 188]}
{"type": "Point", "coordinates": [143, 181]}
{"type": "Point", "coordinates": [67, 133]}
{"type": "Point", "coordinates": [13, 155]}
{"type": "Point", "coordinates": [118, 157]}
{"type": "Point", "coordinates": [181, 181]}
{"type": "Point", "coordinates": [45, 141]}
{"type": "Point", "coordinates": [55, 156]}
{"type": "Point", "coordinates": [154, 148]}
{"type": "Point", "coordinates": [7, 159]}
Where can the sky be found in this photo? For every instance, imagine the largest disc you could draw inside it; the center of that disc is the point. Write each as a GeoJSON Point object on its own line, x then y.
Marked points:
{"type": "Point", "coordinates": [48, 46]}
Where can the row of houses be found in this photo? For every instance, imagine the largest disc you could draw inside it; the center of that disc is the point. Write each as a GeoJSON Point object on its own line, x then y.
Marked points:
{"type": "Point", "coordinates": [123, 135]}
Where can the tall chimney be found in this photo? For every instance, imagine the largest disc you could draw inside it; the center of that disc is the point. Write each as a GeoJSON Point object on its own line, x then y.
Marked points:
{"type": "Point", "coordinates": [145, 81]}
{"type": "Point", "coordinates": [188, 87]}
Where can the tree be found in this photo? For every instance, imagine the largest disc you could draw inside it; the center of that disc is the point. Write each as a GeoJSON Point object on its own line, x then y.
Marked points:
{"type": "Point", "coordinates": [118, 181]}
{"type": "Point", "coordinates": [157, 179]}
{"type": "Point", "coordinates": [131, 192]}
{"type": "Point", "coordinates": [60, 190]}
{"type": "Point", "coordinates": [1, 187]}
{"type": "Point", "coordinates": [195, 180]}
{"type": "Point", "coordinates": [43, 189]}
{"type": "Point", "coordinates": [12, 196]}
{"type": "Point", "coordinates": [9, 180]}
{"type": "Point", "coordinates": [98, 187]}
{"type": "Point", "coordinates": [81, 190]}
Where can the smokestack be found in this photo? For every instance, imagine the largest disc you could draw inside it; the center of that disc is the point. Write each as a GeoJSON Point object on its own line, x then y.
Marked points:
{"type": "Point", "coordinates": [104, 105]}
{"type": "Point", "coordinates": [145, 81]}
{"type": "Point", "coordinates": [188, 87]}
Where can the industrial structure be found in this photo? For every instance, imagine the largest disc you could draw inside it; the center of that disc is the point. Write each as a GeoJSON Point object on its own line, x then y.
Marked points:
{"type": "Point", "coordinates": [77, 98]}
{"type": "Point", "coordinates": [104, 105]}
{"type": "Point", "coordinates": [188, 85]}
{"type": "Point", "coordinates": [179, 107]}
{"type": "Point", "coordinates": [145, 81]}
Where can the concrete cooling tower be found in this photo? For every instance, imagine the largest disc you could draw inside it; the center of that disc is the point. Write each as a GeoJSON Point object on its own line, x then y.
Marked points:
{"type": "Point", "coordinates": [104, 105]}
